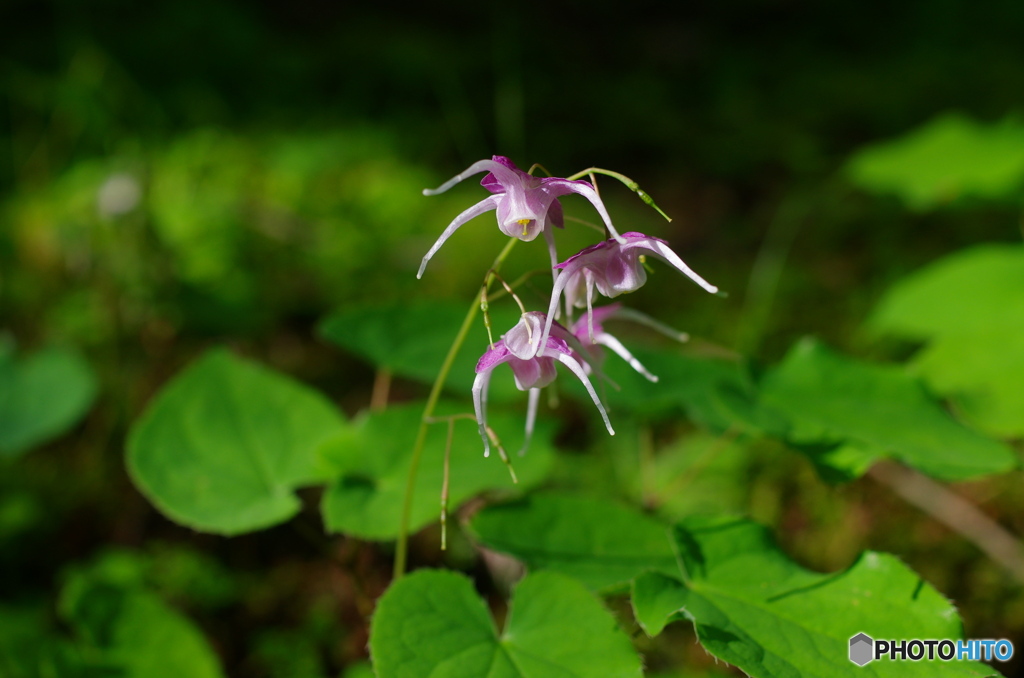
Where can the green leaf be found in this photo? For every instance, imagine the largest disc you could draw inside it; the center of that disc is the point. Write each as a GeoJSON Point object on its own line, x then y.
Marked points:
{"type": "Point", "coordinates": [224, 445]}
{"type": "Point", "coordinates": [41, 397]}
{"type": "Point", "coordinates": [979, 289]}
{"type": "Point", "coordinates": [136, 631]}
{"type": "Point", "coordinates": [371, 462]}
{"type": "Point", "coordinates": [432, 623]}
{"type": "Point", "coordinates": [949, 157]}
{"type": "Point", "coordinates": [714, 392]}
{"type": "Point", "coordinates": [699, 473]}
{"type": "Point", "coordinates": [412, 340]}
{"type": "Point", "coordinates": [969, 307]}
{"type": "Point", "coordinates": [754, 608]}
{"type": "Point", "coordinates": [982, 373]}
{"type": "Point", "coordinates": [409, 340]}
{"type": "Point", "coordinates": [604, 545]}
{"type": "Point", "coordinates": [880, 409]}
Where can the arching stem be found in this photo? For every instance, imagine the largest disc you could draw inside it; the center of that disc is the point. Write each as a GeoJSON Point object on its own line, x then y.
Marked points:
{"type": "Point", "coordinates": [402, 546]}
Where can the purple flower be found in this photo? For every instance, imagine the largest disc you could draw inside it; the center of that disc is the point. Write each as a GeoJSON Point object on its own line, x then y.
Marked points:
{"type": "Point", "coordinates": [589, 331]}
{"type": "Point", "coordinates": [614, 267]}
{"type": "Point", "coordinates": [527, 206]}
{"type": "Point", "coordinates": [518, 348]}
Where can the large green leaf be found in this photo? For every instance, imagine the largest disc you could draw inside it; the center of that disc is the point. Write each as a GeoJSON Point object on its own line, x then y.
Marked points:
{"type": "Point", "coordinates": [600, 543]}
{"type": "Point", "coordinates": [982, 373]}
{"type": "Point", "coordinates": [371, 463]}
{"type": "Point", "coordinates": [832, 400]}
{"type": "Point", "coordinates": [699, 473]}
{"type": "Point", "coordinates": [979, 289]}
{"type": "Point", "coordinates": [712, 391]}
{"type": "Point", "coordinates": [41, 397]}
{"type": "Point", "coordinates": [226, 442]}
{"type": "Point", "coordinates": [949, 157]}
{"type": "Point", "coordinates": [754, 608]}
{"type": "Point", "coordinates": [135, 631]}
{"type": "Point", "coordinates": [412, 340]}
{"type": "Point", "coordinates": [969, 307]}
{"type": "Point", "coordinates": [432, 623]}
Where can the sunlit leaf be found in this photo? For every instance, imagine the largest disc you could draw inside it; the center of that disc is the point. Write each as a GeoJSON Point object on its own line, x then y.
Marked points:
{"type": "Point", "coordinates": [371, 462]}
{"type": "Point", "coordinates": [753, 607]}
{"type": "Point", "coordinates": [226, 442]}
{"type": "Point", "coordinates": [949, 157]}
{"type": "Point", "coordinates": [880, 409]}
{"type": "Point", "coordinates": [979, 289]}
{"type": "Point", "coordinates": [432, 623]}
{"type": "Point", "coordinates": [969, 307]}
{"type": "Point", "coordinates": [983, 374]}
{"type": "Point", "coordinates": [41, 397]}
{"type": "Point", "coordinates": [601, 543]}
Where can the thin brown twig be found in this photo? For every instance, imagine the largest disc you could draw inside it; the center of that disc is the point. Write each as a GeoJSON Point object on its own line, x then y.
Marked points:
{"type": "Point", "coordinates": [954, 511]}
{"type": "Point", "coordinates": [381, 390]}
{"type": "Point", "coordinates": [444, 484]}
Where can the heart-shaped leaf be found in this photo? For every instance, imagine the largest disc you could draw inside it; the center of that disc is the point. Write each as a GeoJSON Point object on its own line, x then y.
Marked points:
{"type": "Point", "coordinates": [432, 623]}
{"type": "Point", "coordinates": [226, 442]}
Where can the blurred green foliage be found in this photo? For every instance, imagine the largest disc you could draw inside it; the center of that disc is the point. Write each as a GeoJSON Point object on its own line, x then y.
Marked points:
{"type": "Point", "coordinates": [950, 157]}
{"type": "Point", "coordinates": [41, 396]}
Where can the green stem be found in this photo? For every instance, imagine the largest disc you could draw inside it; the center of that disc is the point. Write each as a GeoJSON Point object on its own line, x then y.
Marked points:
{"type": "Point", "coordinates": [402, 547]}
{"type": "Point", "coordinates": [630, 184]}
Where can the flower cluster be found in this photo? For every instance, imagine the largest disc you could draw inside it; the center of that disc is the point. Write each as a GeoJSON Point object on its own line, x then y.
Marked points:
{"type": "Point", "coordinates": [526, 207]}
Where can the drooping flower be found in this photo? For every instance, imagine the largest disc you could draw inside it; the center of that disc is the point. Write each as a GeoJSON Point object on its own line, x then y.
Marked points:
{"type": "Point", "coordinates": [527, 205]}
{"type": "Point", "coordinates": [518, 347]}
{"type": "Point", "coordinates": [613, 267]}
{"type": "Point", "coordinates": [589, 331]}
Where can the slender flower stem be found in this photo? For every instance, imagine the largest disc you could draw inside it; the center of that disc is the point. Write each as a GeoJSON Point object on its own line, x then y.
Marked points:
{"type": "Point", "coordinates": [630, 184]}
{"type": "Point", "coordinates": [402, 547]}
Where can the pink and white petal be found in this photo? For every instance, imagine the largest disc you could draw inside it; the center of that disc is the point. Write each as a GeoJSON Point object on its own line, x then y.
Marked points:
{"type": "Point", "coordinates": [624, 313]}
{"type": "Point", "coordinates": [491, 182]}
{"type": "Point", "coordinates": [622, 273]}
{"type": "Point", "coordinates": [556, 216]}
{"type": "Point", "coordinates": [493, 357]}
{"type": "Point", "coordinates": [480, 385]}
{"type": "Point", "coordinates": [615, 345]}
{"type": "Point", "coordinates": [485, 205]}
{"type": "Point", "coordinates": [524, 337]}
{"type": "Point", "coordinates": [503, 174]}
{"type": "Point", "coordinates": [556, 294]}
{"type": "Point", "coordinates": [531, 418]}
{"type": "Point", "coordinates": [576, 369]}
{"type": "Point", "coordinates": [666, 253]}
{"type": "Point", "coordinates": [549, 236]}
{"type": "Point", "coordinates": [564, 187]}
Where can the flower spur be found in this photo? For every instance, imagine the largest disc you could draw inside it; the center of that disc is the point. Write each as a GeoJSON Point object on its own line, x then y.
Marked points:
{"type": "Point", "coordinates": [591, 335]}
{"type": "Point", "coordinates": [527, 206]}
{"type": "Point", "coordinates": [518, 347]}
{"type": "Point", "coordinates": [614, 267]}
